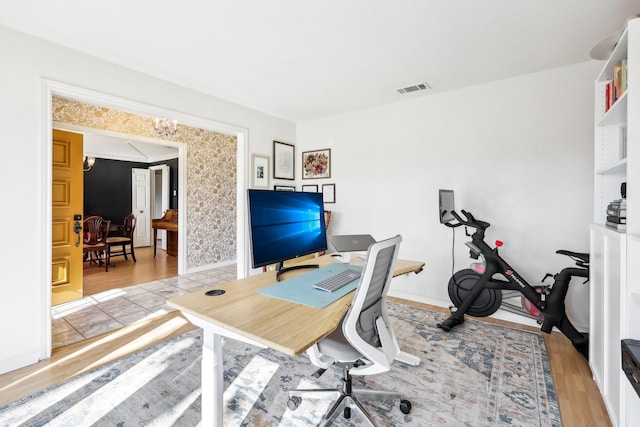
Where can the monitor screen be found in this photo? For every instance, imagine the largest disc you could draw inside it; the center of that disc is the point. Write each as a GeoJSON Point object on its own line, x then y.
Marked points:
{"type": "Point", "coordinates": [446, 206]}
{"type": "Point", "coordinates": [284, 225]}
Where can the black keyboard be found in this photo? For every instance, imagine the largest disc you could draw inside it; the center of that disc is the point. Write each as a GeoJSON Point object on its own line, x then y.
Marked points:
{"type": "Point", "coordinates": [337, 281]}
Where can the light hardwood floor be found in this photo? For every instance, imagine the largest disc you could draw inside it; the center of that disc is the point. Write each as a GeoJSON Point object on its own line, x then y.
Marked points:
{"type": "Point", "coordinates": [126, 272]}
{"type": "Point", "coordinates": [578, 397]}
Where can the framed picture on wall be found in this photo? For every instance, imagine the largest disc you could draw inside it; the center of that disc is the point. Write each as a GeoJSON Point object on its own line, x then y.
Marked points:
{"type": "Point", "coordinates": [316, 164]}
{"type": "Point", "coordinates": [283, 160]}
{"type": "Point", "coordinates": [329, 193]}
{"type": "Point", "coordinates": [284, 188]}
{"type": "Point", "coordinates": [310, 188]}
{"type": "Point", "coordinates": [259, 171]}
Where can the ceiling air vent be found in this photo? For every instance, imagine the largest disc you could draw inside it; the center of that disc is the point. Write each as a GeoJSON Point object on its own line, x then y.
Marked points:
{"type": "Point", "coordinates": [414, 88]}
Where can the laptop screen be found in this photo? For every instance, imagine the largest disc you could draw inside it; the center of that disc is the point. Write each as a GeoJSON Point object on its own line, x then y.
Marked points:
{"type": "Point", "coordinates": [352, 242]}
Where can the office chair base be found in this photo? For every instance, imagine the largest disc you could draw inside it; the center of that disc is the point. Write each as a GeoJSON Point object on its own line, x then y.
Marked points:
{"type": "Point", "coordinates": [346, 402]}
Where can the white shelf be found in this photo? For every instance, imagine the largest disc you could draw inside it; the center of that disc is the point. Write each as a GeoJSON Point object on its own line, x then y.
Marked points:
{"type": "Point", "coordinates": [615, 267]}
{"type": "Point", "coordinates": [617, 114]}
{"type": "Point", "coordinates": [616, 167]}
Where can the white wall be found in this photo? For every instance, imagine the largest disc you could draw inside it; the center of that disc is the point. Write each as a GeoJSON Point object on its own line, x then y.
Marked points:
{"type": "Point", "coordinates": [517, 152]}
{"type": "Point", "coordinates": [26, 61]}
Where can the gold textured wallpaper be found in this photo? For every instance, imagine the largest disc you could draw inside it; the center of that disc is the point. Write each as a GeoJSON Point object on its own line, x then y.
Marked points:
{"type": "Point", "coordinates": [211, 176]}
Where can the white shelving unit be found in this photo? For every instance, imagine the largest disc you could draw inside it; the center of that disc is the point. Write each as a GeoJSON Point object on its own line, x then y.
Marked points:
{"type": "Point", "coordinates": [615, 255]}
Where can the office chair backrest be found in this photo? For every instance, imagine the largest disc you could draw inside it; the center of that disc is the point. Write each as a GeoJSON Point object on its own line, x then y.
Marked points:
{"type": "Point", "coordinates": [366, 324]}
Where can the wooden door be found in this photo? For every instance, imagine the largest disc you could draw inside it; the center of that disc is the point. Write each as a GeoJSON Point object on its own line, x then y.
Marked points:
{"type": "Point", "coordinates": [67, 199]}
{"type": "Point", "coordinates": [140, 204]}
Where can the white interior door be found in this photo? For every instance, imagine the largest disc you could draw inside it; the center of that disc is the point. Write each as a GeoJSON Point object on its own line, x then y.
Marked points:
{"type": "Point", "coordinates": [140, 202]}
{"type": "Point", "coordinates": [160, 191]}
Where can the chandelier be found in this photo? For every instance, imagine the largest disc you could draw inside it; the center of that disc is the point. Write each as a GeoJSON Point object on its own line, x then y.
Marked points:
{"type": "Point", "coordinates": [88, 162]}
{"type": "Point", "coordinates": [166, 127]}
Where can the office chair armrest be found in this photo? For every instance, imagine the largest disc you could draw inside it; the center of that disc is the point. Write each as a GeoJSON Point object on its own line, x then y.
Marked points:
{"type": "Point", "coordinates": [318, 359]}
{"type": "Point", "coordinates": [387, 338]}
{"type": "Point", "coordinates": [381, 360]}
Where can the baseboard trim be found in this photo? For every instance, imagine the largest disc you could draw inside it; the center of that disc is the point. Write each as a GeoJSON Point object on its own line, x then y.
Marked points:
{"type": "Point", "coordinates": [20, 361]}
{"type": "Point", "coordinates": [210, 266]}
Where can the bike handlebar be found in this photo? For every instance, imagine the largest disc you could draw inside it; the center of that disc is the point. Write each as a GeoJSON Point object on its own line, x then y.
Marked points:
{"type": "Point", "coordinates": [469, 221]}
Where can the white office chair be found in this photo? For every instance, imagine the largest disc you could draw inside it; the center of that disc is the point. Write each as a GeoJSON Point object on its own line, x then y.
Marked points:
{"type": "Point", "coordinates": [364, 343]}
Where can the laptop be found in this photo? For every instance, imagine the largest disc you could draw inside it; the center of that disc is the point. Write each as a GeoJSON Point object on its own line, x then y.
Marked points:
{"type": "Point", "coordinates": [352, 242]}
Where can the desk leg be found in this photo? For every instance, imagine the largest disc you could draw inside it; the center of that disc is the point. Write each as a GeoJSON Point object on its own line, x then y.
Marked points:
{"type": "Point", "coordinates": [155, 241]}
{"type": "Point", "coordinates": [212, 380]}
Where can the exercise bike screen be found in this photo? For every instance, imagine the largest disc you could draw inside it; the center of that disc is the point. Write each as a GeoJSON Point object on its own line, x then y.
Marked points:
{"type": "Point", "coordinates": [446, 201]}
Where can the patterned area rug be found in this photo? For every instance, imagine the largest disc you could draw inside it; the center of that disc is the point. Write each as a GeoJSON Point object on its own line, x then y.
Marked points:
{"type": "Point", "coordinates": [477, 375]}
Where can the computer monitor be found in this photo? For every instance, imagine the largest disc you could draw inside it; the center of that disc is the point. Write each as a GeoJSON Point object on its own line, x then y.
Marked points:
{"type": "Point", "coordinates": [284, 225]}
{"type": "Point", "coordinates": [446, 202]}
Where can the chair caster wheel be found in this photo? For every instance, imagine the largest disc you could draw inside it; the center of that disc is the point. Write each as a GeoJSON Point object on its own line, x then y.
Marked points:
{"type": "Point", "coordinates": [405, 406]}
{"type": "Point", "coordinates": [347, 412]}
{"type": "Point", "coordinates": [294, 402]}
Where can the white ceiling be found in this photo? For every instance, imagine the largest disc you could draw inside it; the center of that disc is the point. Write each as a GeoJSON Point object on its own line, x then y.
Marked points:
{"type": "Point", "coordinates": [130, 150]}
{"type": "Point", "coordinates": [301, 60]}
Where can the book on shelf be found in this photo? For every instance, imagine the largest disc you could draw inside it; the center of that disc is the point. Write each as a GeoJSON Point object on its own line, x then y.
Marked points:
{"type": "Point", "coordinates": [618, 208]}
{"type": "Point", "coordinates": [623, 76]}
{"type": "Point", "coordinates": [614, 226]}
{"type": "Point", "coordinates": [617, 214]}
{"type": "Point", "coordinates": [617, 76]}
{"type": "Point", "coordinates": [616, 219]}
{"type": "Point", "coordinates": [617, 85]}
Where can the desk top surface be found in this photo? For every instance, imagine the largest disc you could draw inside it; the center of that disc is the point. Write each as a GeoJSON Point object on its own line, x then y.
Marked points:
{"type": "Point", "coordinates": [169, 221]}
{"type": "Point", "coordinates": [282, 325]}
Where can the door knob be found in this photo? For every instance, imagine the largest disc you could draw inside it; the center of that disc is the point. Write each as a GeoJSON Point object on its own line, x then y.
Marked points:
{"type": "Point", "coordinates": [77, 228]}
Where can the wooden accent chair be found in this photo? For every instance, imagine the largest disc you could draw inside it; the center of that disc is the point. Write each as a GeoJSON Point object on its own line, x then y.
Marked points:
{"type": "Point", "coordinates": [327, 220]}
{"type": "Point", "coordinates": [95, 231]}
{"type": "Point", "coordinates": [124, 238]}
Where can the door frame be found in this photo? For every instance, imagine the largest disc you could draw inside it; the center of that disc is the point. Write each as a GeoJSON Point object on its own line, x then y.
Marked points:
{"type": "Point", "coordinates": [165, 190]}
{"type": "Point", "coordinates": [51, 88]}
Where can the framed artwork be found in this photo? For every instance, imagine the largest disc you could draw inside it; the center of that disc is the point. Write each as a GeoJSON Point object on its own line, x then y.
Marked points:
{"type": "Point", "coordinates": [310, 188]}
{"type": "Point", "coordinates": [283, 160]}
{"type": "Point", "coordinates": [284, 188]}
{"type": "Point", "coordinates": [259, 171]}
{"type": "Point", "coordinates": [316, 164]}
{"type": "Point", "coordinates": [329, 193]}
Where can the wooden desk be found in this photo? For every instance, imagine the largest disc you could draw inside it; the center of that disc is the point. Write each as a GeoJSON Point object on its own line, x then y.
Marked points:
{"type": "Point", "coordinates": [168, 222]}
{"type": "Point", "coordinates": [246, 315]}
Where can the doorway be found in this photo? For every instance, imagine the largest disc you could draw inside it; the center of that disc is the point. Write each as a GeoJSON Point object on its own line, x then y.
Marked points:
{"type": "Point", "coordinates": [160, 201]}
{"type": "Point", "coordinates": [114, 187]}
{"type": "Point", "coordinates": [52, 89]}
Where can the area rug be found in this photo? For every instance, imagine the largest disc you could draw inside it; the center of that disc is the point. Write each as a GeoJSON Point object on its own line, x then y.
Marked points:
{"type": "Point", "coordinates": [478, 375]}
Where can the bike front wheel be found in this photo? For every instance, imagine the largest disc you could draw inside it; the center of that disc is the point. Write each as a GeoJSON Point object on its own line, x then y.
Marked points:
{"type": "Point", "coordinates": [460, 286]}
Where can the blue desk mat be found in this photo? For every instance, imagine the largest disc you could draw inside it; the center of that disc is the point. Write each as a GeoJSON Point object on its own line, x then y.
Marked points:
{"type": "Point", "coordinates": [300, 288]}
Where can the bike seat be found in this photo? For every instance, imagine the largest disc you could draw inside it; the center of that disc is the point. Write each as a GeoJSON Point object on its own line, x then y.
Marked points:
{"type": "Point", "coordinates": [581, 256]}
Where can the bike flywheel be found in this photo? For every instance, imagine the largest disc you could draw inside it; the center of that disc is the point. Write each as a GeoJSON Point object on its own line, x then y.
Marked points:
{"type": "Point", "coordinates": [460, 286]}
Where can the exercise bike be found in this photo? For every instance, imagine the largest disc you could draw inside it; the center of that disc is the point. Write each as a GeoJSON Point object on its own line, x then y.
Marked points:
{"type": "Point", "coordinates": [476, 292]}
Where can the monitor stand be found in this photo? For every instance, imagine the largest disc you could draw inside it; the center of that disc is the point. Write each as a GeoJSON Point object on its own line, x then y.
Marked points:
{"type": "Point", "coordinates": [280, 269]}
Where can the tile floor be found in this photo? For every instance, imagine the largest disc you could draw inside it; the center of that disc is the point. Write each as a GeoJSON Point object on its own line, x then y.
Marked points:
{"type": "Point", "coordinates": [113, 309]}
